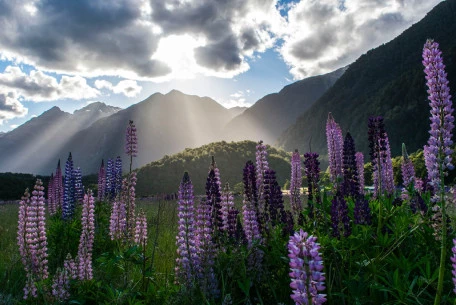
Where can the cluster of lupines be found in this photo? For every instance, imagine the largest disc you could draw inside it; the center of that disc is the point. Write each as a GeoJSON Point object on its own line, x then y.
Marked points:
{"type": "Point", "coordinates": [205, 249]}
{"type": "Point", "coordinates": [86, 239]}
{"type": "Point", "coordinates": [360, 170]}
{"type": "Point", "coordinates": [101, 182]}
{"type": "Point", "coordinates": [261, 166]}
{"type": "Point", "coordinates": [141, 229]}
{"type": "Point", "coordinates": [340, 221]}
{"type": "Point", "coordinates": [295, 183]}
{"type": "Point", "coordinates": [69, 191]}
{"type": "Point", "coordinates": [335, 148]}
{"type": "Point", "coordinates": [306, 265]}
{"type": "Point", "coordinates": [380, 157]}
{"type": "Point", "coordinates": [62, 277]}
{"type": "Point", "coordinates": [31, 238]}
{"type": "Point", "coordinates": [350, 185]}
{"type": "Point", "coordinates": [186, 260]}
{"type": "Point", "coordinates": [312, 170]}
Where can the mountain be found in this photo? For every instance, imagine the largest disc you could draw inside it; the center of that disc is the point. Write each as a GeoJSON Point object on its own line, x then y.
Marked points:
{"type": "Point", "coordinates": [235, 111]}
{"type": "Point", "coordinates": [36, 143]}
{"type": "Point", "coordinates": [164, 175]}
{"type": "Point", "coordinates": [272, 114]}
{"type": "Point", "coordinates": [387, 81]}
{"type": "Point", "coordinates": [166, 124]}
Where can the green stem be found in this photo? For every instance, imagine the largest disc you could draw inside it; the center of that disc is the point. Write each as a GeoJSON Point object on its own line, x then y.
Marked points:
{"type": "Point", "coordinates": [443, 251]}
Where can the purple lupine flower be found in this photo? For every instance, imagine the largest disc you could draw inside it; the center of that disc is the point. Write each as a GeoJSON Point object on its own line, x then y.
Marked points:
{"type": "Point", "coordinates": [69, 192]}
{"type": "Point", "coordinates": [438, 151]}
{"type": "Point", "coordinates": [141, 229]}
{"type": "Point", "coordinates": [360, 169]}
{"type": "Point", "coordinates": [306, 265]}
{"type": "Point", "coordinates": [362, 212]}
{"type": "Point", "coordinates": [453, 260]}
{"type": "Point", "coordinates": [131, 143]}
{"type": "Point", "coordinates": [101, 182]}
{"type": "Point", "coordinates": [274, 211]}
{"type": "Point", "coordinates": [419, 185]}
{"type": "Point", "coordinates": [117, 221]}
{"type": "Point", "coordinates": [312, 170]}
{"type": "Point", "coordinates": [131, 206]}
{"type": "Point", "coordinates": [350, 185]}
{"type": "Point", "coordinates": [78, 187]}
{"type": "Point", "coordinates": [387, 169]}
{"type": "Point", "coordinates": [32, 238]}
{"type": "Point", "coordinates": [109, 178]}
{"type": "Point", "coordinates": [214, 199]}
{"type": "Point", "coordinates": [295, 183]}
{"type": "Point", "coordinates": [187, 255]}
{"type": "Point", "coordinates": [261, 166]}
{"type": "Point", "coordinates": [380, 155]}
{"type": "Point", "coordinates": [51, 196]}
{"type": "Point", "coordinates": [335, 148]}
{"type": "Point", "coordinates": [227, 206]}
{"type": "Point", "coordinates": [205, 250]}
{"type": "Point", "coordinates": [118, 176]}
{"type": "Point", "coordinates": [340, 221]}
{"type": "Point", "coordinates": [62, 277]}
{"type": "Point", "coordinates": [232, 224]}
{"type": "Point", "coordinates": [22, 229]}
{"type": "Point", "coordinates": [407, 168]}
{"type": "Point", "coordinates": [87, 236]}
{"type": "Point", "coordinates": [58, 187]}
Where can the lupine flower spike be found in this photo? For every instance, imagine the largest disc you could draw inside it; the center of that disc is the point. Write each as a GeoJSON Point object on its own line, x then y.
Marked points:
{"type": "Point", "coordinates": [360, 169]}
{"type": "Point", "coordinates": [141, 229]}
{"type": "Point", "coordinates": [101, 182]}
{"type": "Point", "coordinates": [335, 148]}
{"type": "Point", "coordinates": [69, 191]}
{"type": "Point", "coordinates": [438, 151]}
{"type": "Point", "coordinates": [295, 183]}
{"type": "Point", "coordinates": [87, 237]}
{"type": "Point", "coordinates": [306, 265]}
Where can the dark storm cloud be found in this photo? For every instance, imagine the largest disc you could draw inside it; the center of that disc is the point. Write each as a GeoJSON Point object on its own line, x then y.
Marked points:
{"type": "Point", "coordinates": [83, 35]}
{"type": "Point", "coordinates": [311, 48]}
{"type": "Point", "coordinates": [223, 55]}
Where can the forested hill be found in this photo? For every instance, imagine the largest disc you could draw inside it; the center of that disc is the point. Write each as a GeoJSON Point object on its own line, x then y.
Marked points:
{"type": "Point", "coordinates": [387, 81]}
{"type": "Point", "coordinates": [164, 175]}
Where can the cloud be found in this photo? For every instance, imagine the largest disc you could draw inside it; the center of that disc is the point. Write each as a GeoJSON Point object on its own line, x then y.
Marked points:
{"type": "Point", "coordinates": [86, 37]}
{"type": "Point", "coordinates": [237, 99]}
{"type": "Point", "coordinates": [345, 31]}
{"type": "Point", "coordinates": [10, 107]}
{"type": "Point", "coordinates": [38, 86]}
{"type": "Point", "coordinates": [129, 88]}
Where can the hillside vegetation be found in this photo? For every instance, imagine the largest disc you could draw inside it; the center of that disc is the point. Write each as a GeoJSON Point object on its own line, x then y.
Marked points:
{"type": "Point", "coordinates": [164, 175]}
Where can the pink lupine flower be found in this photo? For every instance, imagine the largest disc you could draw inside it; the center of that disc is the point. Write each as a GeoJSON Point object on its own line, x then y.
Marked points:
{"type": "Point", "coordinates": [87, 236]}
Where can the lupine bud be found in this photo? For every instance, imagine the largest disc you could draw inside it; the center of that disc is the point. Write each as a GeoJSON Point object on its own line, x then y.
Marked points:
{"type": "Point", "coordinates": [131, 143]}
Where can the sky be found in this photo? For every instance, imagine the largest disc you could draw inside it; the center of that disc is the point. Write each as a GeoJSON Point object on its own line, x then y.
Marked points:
{"type": "Point", "coordinates": [71, 53]}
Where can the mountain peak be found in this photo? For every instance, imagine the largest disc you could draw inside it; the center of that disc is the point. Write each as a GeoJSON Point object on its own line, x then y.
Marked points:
{"type": "Point", "coordinates": [97, 106]}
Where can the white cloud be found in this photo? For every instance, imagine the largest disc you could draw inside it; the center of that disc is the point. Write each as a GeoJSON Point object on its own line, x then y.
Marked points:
{"type": "Point", "coordinates": [13, 126]}
{"type": "Point", "coordinates": [10, 107]}
{"type": "Point", "coordinates": [322, 35]}
{"type": "Point", "coordinates": [237, 99]}
{"type": "Point", "coordinates": [129, 88]}
{"type": "Point", "coordinates": [38, 86]}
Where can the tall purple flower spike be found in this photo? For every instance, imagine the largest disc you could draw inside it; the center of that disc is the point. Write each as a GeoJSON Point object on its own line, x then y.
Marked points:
{"type": "Point", "coordinates": [187, 258]}
{"type": "Point", "coordinates": [350, 185]}
{"type": "Point", "coordinates": [52, 207]}
{"type": "Point", "coordinates": [335, 148]}
{"type": "Point", "coordinates": [85, 249]}
{"type": "Point", "coordinates": [360, 169]}
{"type": "Point", "coordinates": [261, 166]}
{"type": "Point", "coordinates": [69, 191]}
{"type": "Point", "coordinates": [306, 266]}
{"type": "Point", "coordinates": [141, 229]}
{"type": "Point", "coordinates": [438, 150]}
{"type": "Point", "coordinates": [101, 182]}
{"type": "Point", "coordinates": [296, 182]}
{"type": "Point", "coordinates": [78, 187]}
{"type": "Point", "coordinates": [58, 187]}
